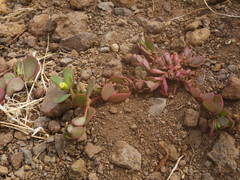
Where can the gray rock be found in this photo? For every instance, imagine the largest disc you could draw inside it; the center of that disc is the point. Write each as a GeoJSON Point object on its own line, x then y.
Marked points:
{"type": "Point", "coordinates": [51, 108]}
{"type": "Point", "coordinates": [207, 176]}
{"type": "Point", "coordinates": [67, 116]}
{"type": "Point", "coordinates": [231, 91]}
{"type": "Point", "coordinates": [158, 105]}
{"type": "Point", "coordinates": [41, 122]}
{"type": "Point", "coordinates": [39, 148]}
{"type": "Point", "coordinates": [27, 156]}
{"type": "Point", "coordinates": [17, 160]}
{"type": "Point", "coordinates": [126, 156]}
{"type": "Point", "coordinates": [91, 150]}
{"type": "Point", "coordinates": [3, 170]}
{"type": "Point", "coordinates": [59, 144]}
{"type": "Point", "coordinates": [78, 169]}
{"type": "Point", "coordinates": [66, 60]}
{"type": "Point", "coordinates": [41, 24]}
{"type": "Point", "coordinates": [232, 68]}
{"type": "Point", "coordinates": [224, 153]}
{"type": "Point", "coordinates": [80, 42]}
{"type": "Point", "coordinates": [70, 24]}
{"type": "Point", "coordinates": [122, 12]}
{"type": "Point", "coordinates": [79, 4]}
{"type": "Point", "coordinates": [173, 154]}
{"type": "Point", "coordinates": [198, 37]}
{"type": "Point", "coordinates": [191, 118]}
{"type": "Point", "coordinates": [5, 139]}
{"type": "Point", "coordinates": [104, 49]}
{"type": "Point", "coordinates": [155, 176]}
{"type": "Point", "coordinates": [105, 6]}
{"type": "Point", "coordinates": [154, 27]}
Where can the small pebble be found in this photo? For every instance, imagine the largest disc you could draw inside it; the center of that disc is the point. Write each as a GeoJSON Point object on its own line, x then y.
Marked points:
{"type": "Point", "coordinates": [115, 47]}
{"type": "Point", "coordinates": [113, 110]}
{"type": "Point", "coordinates": [104, 49]}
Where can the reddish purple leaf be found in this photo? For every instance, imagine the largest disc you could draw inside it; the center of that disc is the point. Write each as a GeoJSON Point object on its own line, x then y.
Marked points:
{"type": "Point", "coordinates": [143, 61]}
{"type": "Point", "coordinates": [152, 85]}
{"type": "Point", "coordinates": [167, 58]}
{"type": "Point", "coordinates": [139, 84]}
{"type": "Point", "coordinates": [157, 71]}
{"type": "Point", "coordinates": [175, 59]}
{"type": "Point", "coordinates": [119, 97]}
{"type": "Point", "coordinates": [165, 86]}
{"type": "Point", "coordinates": [159, 60]}
{"type": "Point", "coordinates": [214, 104]}
{"type": "Point", "coordinates": [195, 92]}
{"type": "Point", "coordinates": [2, 94]}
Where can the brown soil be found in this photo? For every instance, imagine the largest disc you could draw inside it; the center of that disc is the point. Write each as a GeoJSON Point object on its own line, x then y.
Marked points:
{"type": "Point", "coordinates": [106, 128]}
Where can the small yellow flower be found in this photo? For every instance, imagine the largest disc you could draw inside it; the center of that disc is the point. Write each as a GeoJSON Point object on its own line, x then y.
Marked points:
{"type": "Point", "coordinates": [63, 86]}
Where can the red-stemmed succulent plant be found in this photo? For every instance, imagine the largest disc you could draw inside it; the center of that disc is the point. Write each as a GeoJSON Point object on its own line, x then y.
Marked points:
{"type": "Point", "coordinates": [161, 69]}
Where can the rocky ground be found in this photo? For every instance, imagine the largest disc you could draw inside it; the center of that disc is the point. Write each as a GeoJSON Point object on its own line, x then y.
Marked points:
{"type": "Point", "coordinates": [125, 141]}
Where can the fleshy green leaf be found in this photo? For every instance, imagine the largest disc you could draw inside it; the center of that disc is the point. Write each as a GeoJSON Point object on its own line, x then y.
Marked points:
{"type": "Point", "coordinates": [223, 122]}
{"type": "Point", "coordinates": [107, 91]}
{"type": "Point", "coordinates": [28, 68]}
{"type": "Point", "coordinates": [75, 132]}
{"type": "Point", "coordinates": [90, 88]}
{"type": "Point", "coordinates": [62, 98]}
{"type": "Point", "coordinates": [68, 77]}
{"type": "Point", "coordinates": [2, 83]}
{"type": "Point", "coordinates": [56, 80]}
{"type": "Point", "coordinates": [79, 121]}
{"type": "Point", "coordinates": [14, 85]}
{"type": "Point", "coordinates": [149, 44]}
{"type": "Point", "coordinates": [80, 100]}
{"type": "Point", "coordinates": [8, 76]}
{"type": "Point", "coordinates": [90, 113]}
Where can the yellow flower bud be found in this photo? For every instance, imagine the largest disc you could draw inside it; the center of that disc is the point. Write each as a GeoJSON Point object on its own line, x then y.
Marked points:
{"type": "Point", "coordinates": [63, 86]}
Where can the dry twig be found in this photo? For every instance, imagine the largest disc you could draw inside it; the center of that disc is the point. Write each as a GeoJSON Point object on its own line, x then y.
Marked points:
{"type": "Point", "coordinates": [221, 14]}
{"type": "Point", "coordinates": [175, 167]}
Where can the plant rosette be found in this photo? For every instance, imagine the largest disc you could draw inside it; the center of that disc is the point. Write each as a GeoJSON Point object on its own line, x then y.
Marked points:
{"type": "Point", "coordinates": [117, 89]}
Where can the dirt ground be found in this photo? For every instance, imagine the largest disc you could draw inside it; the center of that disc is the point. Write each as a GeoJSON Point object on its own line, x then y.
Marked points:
{"type": "Point", "coordinates": [129, 121]}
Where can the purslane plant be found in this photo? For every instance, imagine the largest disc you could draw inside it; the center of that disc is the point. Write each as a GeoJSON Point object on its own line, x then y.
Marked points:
{"type": "Point", "coordinates": [80, 97]}
{"type": "Point", "coordinates": [24, 71]}
{"type": "Point", "coordinates": [161, 69]}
